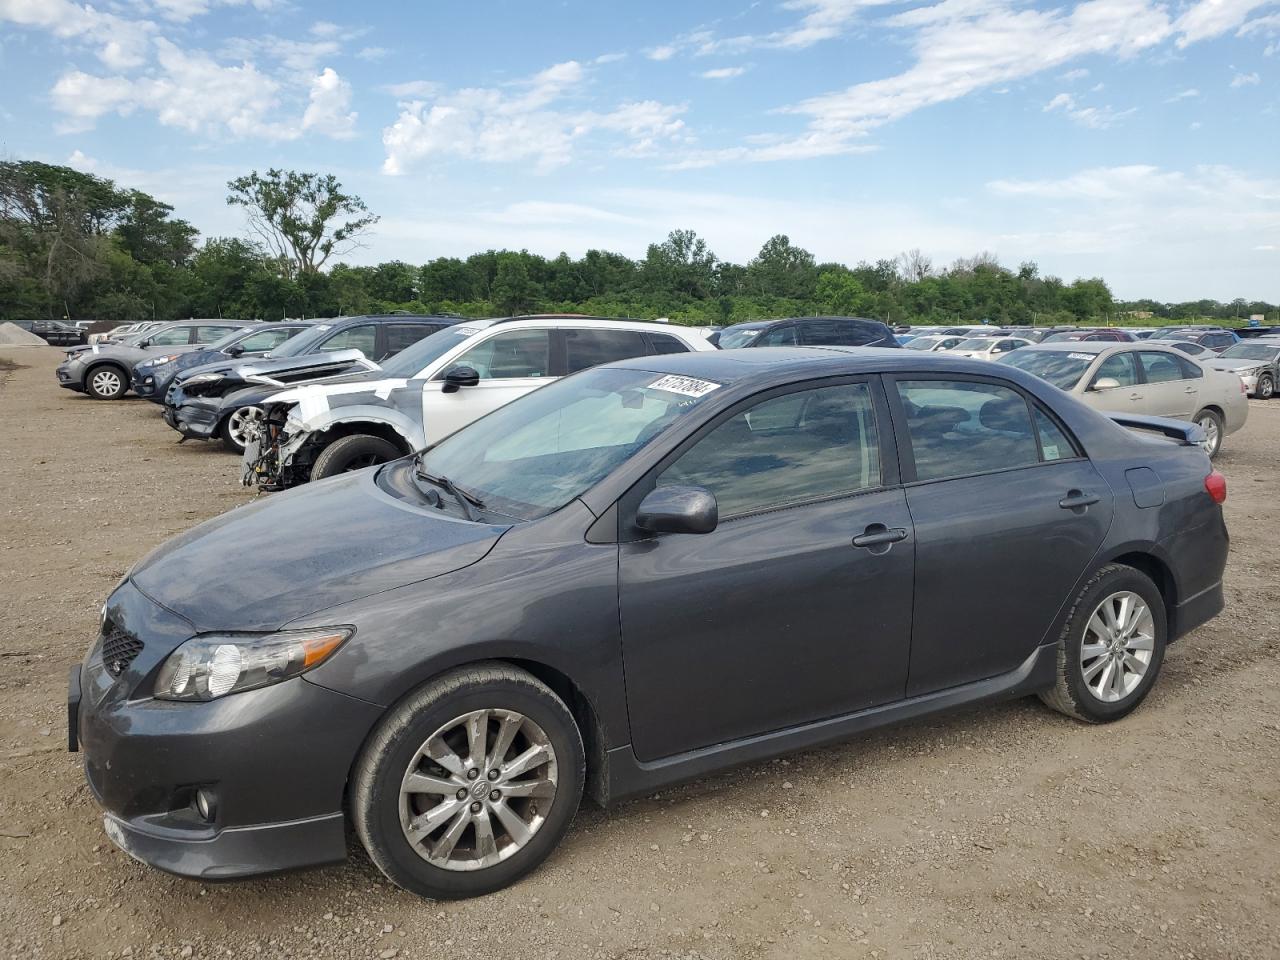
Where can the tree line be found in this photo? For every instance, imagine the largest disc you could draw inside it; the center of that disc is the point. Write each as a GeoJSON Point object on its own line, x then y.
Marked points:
{"type": "Point", "coordinates": [79, 247]}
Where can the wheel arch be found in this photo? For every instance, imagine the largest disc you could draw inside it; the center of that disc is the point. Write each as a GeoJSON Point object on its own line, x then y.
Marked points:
{"type": "Point", "coordinates": [122, 368]}
{"type": "Point", "coordinates": [1161, 574]}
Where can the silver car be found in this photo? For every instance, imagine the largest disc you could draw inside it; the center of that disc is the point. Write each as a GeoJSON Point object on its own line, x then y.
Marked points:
{"type": "Point", "coordinates": [1143, 378]}
{"type": "Point", "coordinates": [1255, 362]}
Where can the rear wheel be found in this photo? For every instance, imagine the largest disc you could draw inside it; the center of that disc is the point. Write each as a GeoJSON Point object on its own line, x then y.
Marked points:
{"type": "Point", "coordinates": [106, 383]}
{"type": "Point", "coordinates": [354, 452]}
{"type": "Point", "coordinates": [232, 430]}
{"type": "Point", "coordinates": [1211, 422]}
{"type": "Point", "coordinates": [1111, 648]}
{"type": "Point", "coordinates": [470, 783]}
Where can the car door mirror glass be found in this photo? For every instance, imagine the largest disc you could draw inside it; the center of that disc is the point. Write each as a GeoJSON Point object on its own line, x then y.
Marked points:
{"type": "Point", "coordinates": [1105, 383]}
{"type": "Point", "coordinates": [455, 378]}
{"type": "Point", "coordinates": [678, 508]}
{"type": "Point", "coordinates": [235, 350]}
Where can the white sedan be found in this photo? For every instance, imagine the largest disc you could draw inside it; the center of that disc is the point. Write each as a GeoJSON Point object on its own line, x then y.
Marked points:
{"type": "Point", "coordinates": [987, 348]}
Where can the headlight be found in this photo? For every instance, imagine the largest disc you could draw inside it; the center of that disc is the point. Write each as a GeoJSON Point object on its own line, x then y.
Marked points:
{"type": "Point", "coordinates": [156, 361]}
{"type": "Point", "coordinates": [201, 378]}
{"type": "Point", "coordinates": [214, 665]}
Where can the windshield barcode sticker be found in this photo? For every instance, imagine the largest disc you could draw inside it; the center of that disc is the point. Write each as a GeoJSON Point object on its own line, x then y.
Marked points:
{"type": "Point", "coordinates": [685, 386]}
{"type": "Point", "coordinates": [1082, 356]}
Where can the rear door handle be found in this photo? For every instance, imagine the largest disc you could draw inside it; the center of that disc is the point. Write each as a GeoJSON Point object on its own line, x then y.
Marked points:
{"type": "Point", "coordinates": [1075, 499]}
{"type": "Point", "coordinates": [877, 534]}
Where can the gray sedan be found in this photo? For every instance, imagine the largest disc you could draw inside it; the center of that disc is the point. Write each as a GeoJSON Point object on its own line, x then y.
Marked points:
{"type": "Point", "coordinates": [1255, 362]}
{"type": "Point", "coordinates": [639, 574]}
{"type": "Point", "coordinates": [105, 370]}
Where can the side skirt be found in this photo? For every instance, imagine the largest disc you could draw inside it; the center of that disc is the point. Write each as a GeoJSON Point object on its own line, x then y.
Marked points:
{"type": "Point", "coordinates": [629, 777]}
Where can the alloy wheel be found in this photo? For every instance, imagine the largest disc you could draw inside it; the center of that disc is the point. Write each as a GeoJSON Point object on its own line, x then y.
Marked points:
{"type": "Point", "coordinates": [1119, 639]}
{"type": "Point", "coordinates": [237, 424]}
{"type": "Point", "coordinates": [1212, 436]}
{"type": "Point", "coordinates": [478, 789]}
{"type": "Point", "coordinates": [1266, 387]}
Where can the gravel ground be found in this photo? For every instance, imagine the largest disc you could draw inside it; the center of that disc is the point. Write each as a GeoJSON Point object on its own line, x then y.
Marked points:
{"type": "Point", "coordinates": [1005, 832]}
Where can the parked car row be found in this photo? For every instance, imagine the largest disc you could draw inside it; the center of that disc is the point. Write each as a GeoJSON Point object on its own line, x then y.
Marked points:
{"type": "Point", "coordinates": [597, 577]}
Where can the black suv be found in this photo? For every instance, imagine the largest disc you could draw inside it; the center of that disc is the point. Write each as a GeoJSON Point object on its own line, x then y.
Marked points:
{"type": "Point", "coordinates": [806, 332]}
{"type": "Point", "coordinates": [58, 334]}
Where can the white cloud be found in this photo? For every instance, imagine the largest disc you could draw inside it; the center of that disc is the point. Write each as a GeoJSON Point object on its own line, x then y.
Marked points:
{"type": "Point", "coordinates": [521, 122]}
{"type": "Point", "coordinates": [1188, 94]}
{"type": "Point", "coordinates": [325, 28]}
{"type": "Point", "coordinates": [1211, 18]}
{"type": "Point", "coordinates": [413, 88]}
{"type": "Point", "coordinates": [120, 43]}
{"type": "Point", "coordinates": [664, 52]}
{"type": "Point", "coordinates": [1073, 75]}
{"type": "Point", "coordinates": [329, 110]}
{"type": "Point", "coordinates": [610, 58]}
{"type": "Point", "coordinates": [723, 73]}
{"type": "Point", "coordinates": [821, 20]}
{"type": "Point", "coordinates": [1245, 80]}
{"type": "Point", "coordinates": [302, 57]}
{"type": "Point", "coordinates": [372, 54]}
{"type": "Point", "coordinates": [1096, 118]}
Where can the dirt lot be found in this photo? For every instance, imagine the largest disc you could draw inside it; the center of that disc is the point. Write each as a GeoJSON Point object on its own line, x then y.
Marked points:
{"type": "Point", "coordinates": [1010, 832]}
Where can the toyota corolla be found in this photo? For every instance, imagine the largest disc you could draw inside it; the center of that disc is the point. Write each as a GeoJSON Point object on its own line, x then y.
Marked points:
{"type": "Point", "coordinates": [777, 548]}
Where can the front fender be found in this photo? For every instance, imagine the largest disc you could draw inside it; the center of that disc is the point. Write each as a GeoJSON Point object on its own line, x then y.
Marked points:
{"type": "Point", "coordinates": [407, 428]}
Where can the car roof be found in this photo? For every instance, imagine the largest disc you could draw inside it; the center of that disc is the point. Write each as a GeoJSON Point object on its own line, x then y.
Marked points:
{"type": "Point", "coordinates": [576, 322]}
{"type": "Point", "coordinates": [760, 324]}
{"type": "Point", "coordinates": [798, 363]}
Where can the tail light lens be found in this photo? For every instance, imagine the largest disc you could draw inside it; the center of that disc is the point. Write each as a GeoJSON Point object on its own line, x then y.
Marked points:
{"type": "Point", "coordinates": [1243, 388]}
{"type": "Point", "coordinates": [1215, 484]}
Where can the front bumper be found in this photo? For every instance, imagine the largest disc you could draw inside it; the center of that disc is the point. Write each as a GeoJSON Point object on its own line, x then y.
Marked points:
{"type": "Point", "coordinates": [196, 418]}
{"type": "Point", "coordinates": [275, 760]}
{"type": "Point", "coordinates": [70, 376]}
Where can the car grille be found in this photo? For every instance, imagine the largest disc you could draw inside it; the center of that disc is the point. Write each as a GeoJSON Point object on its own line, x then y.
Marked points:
{"type": "Point", "coordinates": [119, 648]}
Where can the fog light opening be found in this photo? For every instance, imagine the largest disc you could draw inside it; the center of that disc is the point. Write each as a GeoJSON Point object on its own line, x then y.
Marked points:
{"type": "Point", "coordinates": [206, 804]}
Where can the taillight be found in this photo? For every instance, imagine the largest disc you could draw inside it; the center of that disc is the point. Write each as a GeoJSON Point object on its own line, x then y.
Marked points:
{"type": "Point", "coordinates": [1215, 484]}
{"type": "Point", "coordinates": [1243, 388]}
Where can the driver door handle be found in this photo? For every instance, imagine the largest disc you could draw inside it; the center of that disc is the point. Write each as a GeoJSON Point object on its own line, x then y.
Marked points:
{"type": "Point", "coordinates": [1075, 499]}
{"type": "Point", "coordinates": [877, 534]}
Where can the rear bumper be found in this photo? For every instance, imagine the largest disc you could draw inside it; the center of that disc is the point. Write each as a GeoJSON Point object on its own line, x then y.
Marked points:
{"type": "Point", "coordinates": [1196, 611]}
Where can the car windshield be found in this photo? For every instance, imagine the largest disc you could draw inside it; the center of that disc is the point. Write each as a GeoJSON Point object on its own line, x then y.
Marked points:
{"type": "Point", "coordinates": [412, 361]}
{"type": "Point", "coordinates": [302, 343]}
{"type": "Point", "coordinates": [1249, 351]}
{"type": "Point", "coordinates": [921, 343]}
{"type": "Point", "coordinates": [531, 457]}
{"type": "Point", "coordinates": [1064, 336]}
{"type": "Point", "coordinates": [235, 336]}
{"type": "Point", "coordinates": [1060, 368]}
{"type": "Point", "coordinates": [976, 343]}
{"type": "Point", "coordinates": [731, 338]}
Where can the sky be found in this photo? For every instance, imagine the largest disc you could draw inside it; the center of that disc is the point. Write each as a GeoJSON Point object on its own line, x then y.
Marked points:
{"type": "Point", "coordinates": [1134, 140]}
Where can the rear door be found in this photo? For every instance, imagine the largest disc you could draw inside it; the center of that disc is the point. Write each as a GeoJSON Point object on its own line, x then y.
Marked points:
{"type": "Point", "coordinates": [1170, 392]}
{"type": "Point", "coordinates": [510, 363]}
{"type": "Point", "coordinates": [1008, 514]}
{"type": "Point", "coordinates": [397, 336]}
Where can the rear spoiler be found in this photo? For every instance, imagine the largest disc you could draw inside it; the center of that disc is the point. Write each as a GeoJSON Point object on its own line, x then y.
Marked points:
{"type": "Point", "coordinates": [1185, 433]}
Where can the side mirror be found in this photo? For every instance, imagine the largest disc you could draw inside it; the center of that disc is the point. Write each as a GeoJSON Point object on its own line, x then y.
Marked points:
{"type": "Point", "coordinates": [1105, 383]}
{"type": "Point", "coordinates": [678, 509]}
{"type": "Point", "coordinates": [455, 378]}
{"type": "Point", "coordinates": [143, 344]}
{"type": "Point", "coordinates": [235, 350]}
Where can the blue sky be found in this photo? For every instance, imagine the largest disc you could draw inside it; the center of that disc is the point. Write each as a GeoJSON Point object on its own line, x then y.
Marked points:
{"type": "Point", "coordinates": [1129, 139]}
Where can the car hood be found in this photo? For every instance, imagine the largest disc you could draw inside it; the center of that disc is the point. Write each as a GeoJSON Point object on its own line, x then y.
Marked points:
{"type": "Point", "coordinates": [292, 554]}
{"type": "Point", "coordinates": [357, 389]}
{"type": "Point", "coordinates": [1233, 365]}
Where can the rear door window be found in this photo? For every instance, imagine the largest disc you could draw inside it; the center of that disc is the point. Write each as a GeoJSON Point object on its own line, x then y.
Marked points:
{"type": "Point", "coordinates": [1161, 367]}
{"type": "Point", "coordinates": [212, 332]}
{"type": "Point", "coordinates": [590, 348]}
{"type": "Point", "coordinates": [401, 335]}
{"type": "Point", "coordinates": [779, 337]}
{"type": "Point", "coordinates": [959, 428]}
{"type": "Point", "coordinates": [363, 338]}
{"type": "Point", "coordinates": [171, 338]}
{"type": "Point", "coordinates": [660, 343]}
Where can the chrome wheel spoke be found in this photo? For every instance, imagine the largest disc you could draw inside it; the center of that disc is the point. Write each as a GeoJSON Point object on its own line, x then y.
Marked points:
{"type": "Point", "coordinates": [530, 788]}
{"type": "Point", "coordinates": [415, 782]}
{"type": "Point", "coordinates": [1090, 650]}
{"type": "Point", "coordinates": [1116, 649]}
{"type": "Point", "coordinates": [535, 756]}
{"type": "Point", "coordinates": [449, 839]}
{"type": "Point", "coordinates": [477, 733]}
{"type": "Point", "coordinates": [516, 828]}
{"type": "Point", "coordinates": [508, 727]}
{"type": "Point", "coordinates": [1135, 665]}
{"type": "Point", "coordinates": [443, 754]}
{"type": "Point", "coordinates": [430, 821]}
{"type": "Point", "coordinates": [1091, 672]}
{"type": "Point", "coordinates": [1141, 642]}
{"type": "Point", "coordinates": [486, 845]}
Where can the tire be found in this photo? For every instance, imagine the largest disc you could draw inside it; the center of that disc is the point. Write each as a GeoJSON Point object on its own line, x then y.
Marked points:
{"type": "Point", "coordinates": [1266, 388]}
{"type": "Point", "coordinates": [396, 748]}
{"type": "Point", "coordinates": [229, 429]}
{"type": "Point", "coordinates": [1084, 697]}
{"type": "Point", "coordinates": [106, 382]}
{"type": "Point", "coordinates": [353, 452]}
{"type": "Point", "coordinates": [1212, 423]}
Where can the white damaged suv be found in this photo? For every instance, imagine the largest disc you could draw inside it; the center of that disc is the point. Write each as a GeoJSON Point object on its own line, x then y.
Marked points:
{"type": "Point", "coordinates": [437, 386]}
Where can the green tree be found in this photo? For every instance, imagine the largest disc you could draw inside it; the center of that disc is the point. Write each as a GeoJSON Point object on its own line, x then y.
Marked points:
{"type": "Point", "coordinates": [513, 290]}
{"type": "Point", "coordinates": [781, 269]}
{"type": "Point", "coordinates": [298, 217]}
{"type": "Point", "coordinates": [840, 292]}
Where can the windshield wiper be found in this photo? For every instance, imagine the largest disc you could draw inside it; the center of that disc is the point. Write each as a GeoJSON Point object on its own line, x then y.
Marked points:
{"type": "Point", "coordinates": [469, 502]}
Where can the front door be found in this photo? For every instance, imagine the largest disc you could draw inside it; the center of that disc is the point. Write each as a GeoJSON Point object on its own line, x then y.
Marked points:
{"type": "Point", "coordinates": [1008, 513]}
{"type": "Point", "coordinates": [797, 607]}
{"type": "Point", "coordinates": [510, 364]}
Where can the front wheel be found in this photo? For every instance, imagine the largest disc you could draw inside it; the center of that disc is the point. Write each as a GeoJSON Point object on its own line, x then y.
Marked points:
{"type": "Point", "coordinates": [106, 383]}
{"type": "Point", "coordinates": [470, 783]}
{"type": "Point", "coordinates": [1266, 388]}
{"type": "Point", "coordinates": [354, 452]}
{"type": "Point", "coordinates": [234, 428]}
{"type": "Point", "coordinates": [1111, 648]}
{"type": "Point", "coordinates": [1211, 422]}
